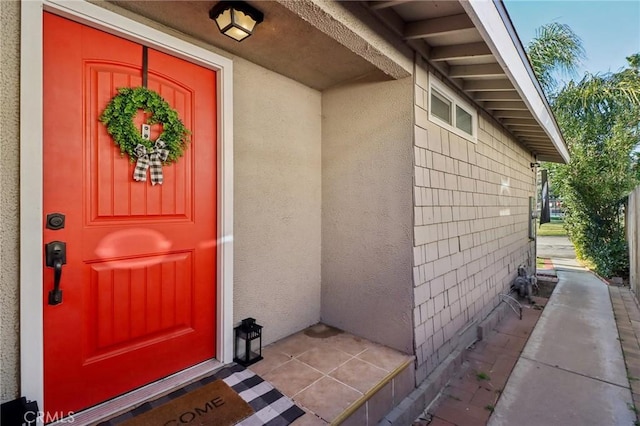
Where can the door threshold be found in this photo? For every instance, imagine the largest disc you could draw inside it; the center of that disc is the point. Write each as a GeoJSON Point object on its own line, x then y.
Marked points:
{"type": "Point", "coordinates": [129, 401]}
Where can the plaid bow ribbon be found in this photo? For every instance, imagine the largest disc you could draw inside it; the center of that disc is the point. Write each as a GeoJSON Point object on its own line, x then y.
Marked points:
{"type": "Point", "coordinates": [153, 159]}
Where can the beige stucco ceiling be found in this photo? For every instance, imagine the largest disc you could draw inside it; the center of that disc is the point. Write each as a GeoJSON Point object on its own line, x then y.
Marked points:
{"type": "Point", "coordinates": [283, 43]}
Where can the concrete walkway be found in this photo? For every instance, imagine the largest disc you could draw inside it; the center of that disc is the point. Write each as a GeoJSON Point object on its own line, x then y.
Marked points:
{"type": "Point", "coordinates": [555, 247]}
{"type": "Point", "coordinates": [571, 371]}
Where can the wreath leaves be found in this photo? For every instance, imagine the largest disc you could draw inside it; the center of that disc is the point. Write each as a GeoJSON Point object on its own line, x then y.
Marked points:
{"type": "Point", "coordinates": [118, 118]}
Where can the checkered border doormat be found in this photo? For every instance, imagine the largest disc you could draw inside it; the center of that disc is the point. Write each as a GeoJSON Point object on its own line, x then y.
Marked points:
{"type": "Point", "coordinates": [271, 408]}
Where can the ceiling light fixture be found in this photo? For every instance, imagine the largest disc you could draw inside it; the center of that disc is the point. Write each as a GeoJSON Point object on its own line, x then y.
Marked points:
{"type": "Point", "coordinates": [235, 19]}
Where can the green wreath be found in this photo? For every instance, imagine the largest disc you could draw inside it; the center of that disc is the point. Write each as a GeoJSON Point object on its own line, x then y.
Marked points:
{"type": "Point", "coordinates": [118, 117]}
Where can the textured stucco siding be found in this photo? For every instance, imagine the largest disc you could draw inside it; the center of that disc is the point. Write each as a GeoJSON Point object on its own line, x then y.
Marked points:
{"type": "Point", "coordinates": [353, 26]}
{"type": "Point", "coordinates": [9, 198]}
{"type": "Point", "coordinates": [277, 148]}
{"type": "Point", "coordinates": [470, 231]}
{"type": "Point", "coordinates": [366, 210]}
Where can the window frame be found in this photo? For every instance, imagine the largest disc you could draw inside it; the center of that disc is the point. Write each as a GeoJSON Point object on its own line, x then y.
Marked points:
{"type": "Point", "coordinates": [443, 91]}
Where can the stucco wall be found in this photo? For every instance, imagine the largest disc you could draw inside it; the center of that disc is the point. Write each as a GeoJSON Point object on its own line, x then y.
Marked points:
{"type": "Point", "coordinates": [277, 125]}
{"type": "Point", "coordinates": [471, 228]}
{"type": "Point", "coordinates": [366, 210]}
{"type": "Point", "coordinates": [9, 183]}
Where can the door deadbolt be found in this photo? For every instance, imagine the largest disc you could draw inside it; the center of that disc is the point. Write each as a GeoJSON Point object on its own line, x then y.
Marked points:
{"type": "Point", "coordinates": [55, 221]}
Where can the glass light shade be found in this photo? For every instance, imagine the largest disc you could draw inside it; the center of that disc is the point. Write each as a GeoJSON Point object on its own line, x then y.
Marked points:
{"type": "Point", "coordinates": [244, 21]}
{"type": "Point", "coordinates": [236, 33]}
{"type": "Point", "coordinates": [224, 19]}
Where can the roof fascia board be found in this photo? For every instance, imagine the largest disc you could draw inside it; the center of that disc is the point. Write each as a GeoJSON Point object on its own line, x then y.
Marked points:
{"type": "Point", "coordinates": [492, 20]}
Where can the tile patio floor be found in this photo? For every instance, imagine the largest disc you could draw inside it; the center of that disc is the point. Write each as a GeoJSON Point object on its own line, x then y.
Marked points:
{"type": "Point", "coordinates": [328, 372]}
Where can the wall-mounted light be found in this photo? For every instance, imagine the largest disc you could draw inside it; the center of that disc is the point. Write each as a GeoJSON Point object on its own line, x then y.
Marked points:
{"type": "Point", "coordinates": [235, 19]}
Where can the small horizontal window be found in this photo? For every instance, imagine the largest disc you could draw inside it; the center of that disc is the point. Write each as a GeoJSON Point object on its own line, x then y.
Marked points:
{"type": "Point", "coordinates": [441, 107]}
{"type": "Point", "coordinates": [464, 120]}
{"type": "Point", "coordinates": [450, 111]}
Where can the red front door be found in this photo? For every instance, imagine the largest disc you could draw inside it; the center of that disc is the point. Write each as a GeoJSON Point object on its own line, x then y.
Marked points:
{"type": "Point", "coordinates": [139, 281]}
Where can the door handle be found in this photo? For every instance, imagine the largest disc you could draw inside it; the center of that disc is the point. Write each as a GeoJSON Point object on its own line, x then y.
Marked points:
{"type": "Point", "coordinates": [56, 256]}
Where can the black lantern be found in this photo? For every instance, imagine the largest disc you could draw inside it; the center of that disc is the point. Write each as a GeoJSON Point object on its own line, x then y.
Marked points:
{"type": "Point", "coordinates": [248, 342]}
{"type": "Point", "coordinates": [235, 19]}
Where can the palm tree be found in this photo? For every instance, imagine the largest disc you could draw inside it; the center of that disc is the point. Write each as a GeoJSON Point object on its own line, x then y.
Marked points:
{"type": "Point", "coordinates": [595, 95]}
{"type": "Point", "coordinates": [555, 48]}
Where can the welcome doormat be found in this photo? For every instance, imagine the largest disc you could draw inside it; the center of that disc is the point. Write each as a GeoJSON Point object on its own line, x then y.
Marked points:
{"type": "Point", "coordinates": [213, 404]}
{"type": "Point", "coordinates": [271, 408]}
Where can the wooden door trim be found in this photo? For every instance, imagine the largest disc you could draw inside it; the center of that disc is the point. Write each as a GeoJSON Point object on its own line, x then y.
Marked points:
{"type": "Point", "coordinates": [31, 172]}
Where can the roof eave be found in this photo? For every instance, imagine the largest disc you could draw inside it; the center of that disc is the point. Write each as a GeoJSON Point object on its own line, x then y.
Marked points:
{"type": "Point", "coordinates": [493, 22]}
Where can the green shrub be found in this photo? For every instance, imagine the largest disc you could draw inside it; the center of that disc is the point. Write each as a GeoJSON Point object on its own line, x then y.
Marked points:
{"type": "Point", "coordinates": [600, 120]}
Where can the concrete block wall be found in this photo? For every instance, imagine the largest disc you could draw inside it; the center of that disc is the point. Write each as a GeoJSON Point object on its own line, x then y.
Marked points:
{"type": "Point", "coordinates": [471, 218]}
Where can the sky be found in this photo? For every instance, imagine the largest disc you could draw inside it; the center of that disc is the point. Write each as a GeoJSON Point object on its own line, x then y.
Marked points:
{"type": "Point", "coordinates": [609, 29]}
